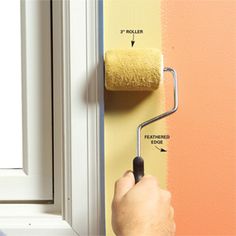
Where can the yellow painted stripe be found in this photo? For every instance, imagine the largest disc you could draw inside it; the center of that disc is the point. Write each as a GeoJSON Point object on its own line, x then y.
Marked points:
{"type": "Point", "coordinates": [125, 110]}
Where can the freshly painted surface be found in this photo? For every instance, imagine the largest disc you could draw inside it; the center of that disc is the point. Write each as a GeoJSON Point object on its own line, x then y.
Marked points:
{"type": "Point", "coordinates": [125, 110]}
{"type": "Point", "coordinates": [199, 40]}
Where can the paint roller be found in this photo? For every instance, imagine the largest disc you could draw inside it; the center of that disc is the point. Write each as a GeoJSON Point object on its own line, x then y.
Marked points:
{"type": "Point", "coordinates": [138, 70]}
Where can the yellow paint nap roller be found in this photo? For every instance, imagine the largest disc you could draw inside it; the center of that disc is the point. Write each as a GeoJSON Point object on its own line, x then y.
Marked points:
{"type": "Point", "coordinates": [138, 70]}
{"type": "Point", "coordinates": [133, 69]}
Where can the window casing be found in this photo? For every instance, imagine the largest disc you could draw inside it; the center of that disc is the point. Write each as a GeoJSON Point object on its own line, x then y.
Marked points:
{"type": "Point", "coordinates": [78, 207]}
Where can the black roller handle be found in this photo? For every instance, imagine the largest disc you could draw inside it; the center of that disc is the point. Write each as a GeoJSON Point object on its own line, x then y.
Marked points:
{"type": "Point", "coordinates": [138, 168]}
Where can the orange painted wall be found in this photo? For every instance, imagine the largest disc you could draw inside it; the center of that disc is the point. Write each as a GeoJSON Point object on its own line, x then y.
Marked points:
{"type": "Point", "coordinates": [199, 41]}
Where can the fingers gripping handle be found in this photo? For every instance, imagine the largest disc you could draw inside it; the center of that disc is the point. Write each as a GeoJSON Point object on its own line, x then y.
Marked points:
{"type": "Point", "coordinates": [138, 168]}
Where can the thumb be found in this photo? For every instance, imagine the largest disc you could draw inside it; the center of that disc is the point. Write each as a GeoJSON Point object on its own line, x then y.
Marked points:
{"type": "Point", "coordinates": [123, 185]}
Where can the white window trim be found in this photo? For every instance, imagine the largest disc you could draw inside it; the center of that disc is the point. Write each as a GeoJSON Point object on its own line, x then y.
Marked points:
{"type": "Point", "coordinates": [78, 99]}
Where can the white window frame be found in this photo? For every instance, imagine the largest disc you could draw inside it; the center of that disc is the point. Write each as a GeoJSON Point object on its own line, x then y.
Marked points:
{"type": "Point", "coordinates": [78, 128]}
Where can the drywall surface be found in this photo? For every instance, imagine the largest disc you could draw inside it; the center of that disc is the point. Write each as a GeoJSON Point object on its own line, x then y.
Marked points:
{"type": "Point", "coordinates": [199, 40]}
{"type": "Point", "coordinates": [125, 110]}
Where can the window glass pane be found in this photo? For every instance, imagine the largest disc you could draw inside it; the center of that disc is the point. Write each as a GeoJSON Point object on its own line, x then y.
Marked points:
{"type": "Point", "coordinates": [10, 88]}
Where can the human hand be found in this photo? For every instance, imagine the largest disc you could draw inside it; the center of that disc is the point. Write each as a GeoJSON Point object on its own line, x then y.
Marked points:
{"type": "Point", "coordinates": [141, 209]}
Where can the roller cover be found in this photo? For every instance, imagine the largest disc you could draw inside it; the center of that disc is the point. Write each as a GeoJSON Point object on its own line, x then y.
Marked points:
{"type": "Point", "coordinates": [133, 69]}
